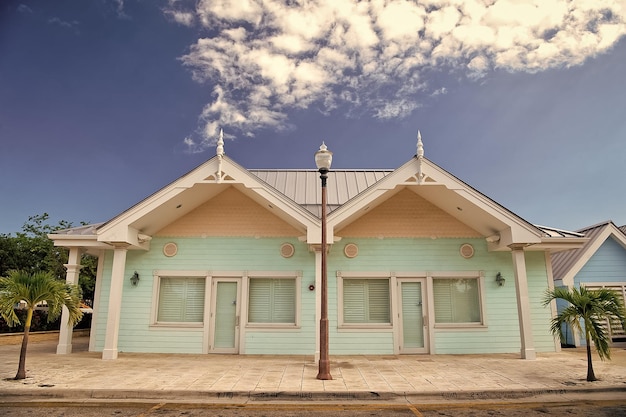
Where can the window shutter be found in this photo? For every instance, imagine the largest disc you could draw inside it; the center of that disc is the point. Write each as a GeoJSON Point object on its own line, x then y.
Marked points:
{"type": "Point", "coordinates": [456, 300]}
{"type": "Point", "coordinates": [366, 301]}
{"type": "Point", "coordinates": [272, 300]}
{"type": "Point", "coordinates": [181, 300]}
{"type": "Point", "coordinates": [378, 292]}
{"type": "Point", "coordinates": [194, 300]}
{"type": "Point", "coordinates": [260, 301]}
{"type": "Point", "coordinates": [170, 301]}
{"type": "Point", "coordinates": [284, 301]}
{"type": "Point", "coordinates": [354, 301]}
{"type": "Point", "coordinates": [443, 301]}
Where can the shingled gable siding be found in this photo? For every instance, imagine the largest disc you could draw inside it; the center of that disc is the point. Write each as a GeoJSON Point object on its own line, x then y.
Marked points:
{"type": "Point", "coordinates": [206, 254]}
{"type": "Point", "coordinates": [230, 213]}
{"type": "Point", "coordinates": [407, 215]}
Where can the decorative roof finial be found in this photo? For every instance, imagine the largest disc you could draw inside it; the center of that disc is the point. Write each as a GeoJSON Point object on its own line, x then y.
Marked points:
{"type": "Point", "coordinates": [420, 158]}
{"type": "Point", "coordinates": [220, 155]}
{"type": "Point", "coordinates": [420, 145]}
{"type": "Point", "coordinates": [220, 144]}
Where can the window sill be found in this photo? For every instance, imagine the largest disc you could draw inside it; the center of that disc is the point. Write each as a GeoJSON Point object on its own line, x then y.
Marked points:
{"type": "Point", "coordinates": [269, 327]}
{"type": "Point", "coordinates": [459, 327]}
{"type": "Point", "coordinates": [178, 326]}
{"type": "Point", "coordinates": [365, 328]}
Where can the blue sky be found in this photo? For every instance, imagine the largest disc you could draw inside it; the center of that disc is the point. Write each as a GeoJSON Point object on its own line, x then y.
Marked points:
{"type": "Point", "coordinates": [104, 102]}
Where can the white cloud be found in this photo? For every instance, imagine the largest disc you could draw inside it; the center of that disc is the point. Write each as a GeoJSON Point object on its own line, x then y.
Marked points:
{"type": "Point", "coordinates": [62, 23]}
{"type": "Point", "coordinates": [181, 17]}
{"type": "Point", "coordinates": [263, 59]}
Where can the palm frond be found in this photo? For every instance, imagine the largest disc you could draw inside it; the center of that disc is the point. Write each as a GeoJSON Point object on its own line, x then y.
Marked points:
{"type": "Point", "coordinates": [37, 288]}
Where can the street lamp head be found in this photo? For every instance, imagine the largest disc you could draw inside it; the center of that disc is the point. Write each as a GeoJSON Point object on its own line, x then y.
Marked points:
{"type": "Point", "coordinates": [323, 158]}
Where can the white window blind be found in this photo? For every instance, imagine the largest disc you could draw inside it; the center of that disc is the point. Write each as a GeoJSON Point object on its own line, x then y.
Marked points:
{"type": "Point", "coordinates": [181, 300]}
{"type": "Point", "coordinates": [366, 301]}
{"type": "Point", "coordinates": [617, 332]}
{"type": "Point", "coordinates": [456, 300]}
{"type": "Point", "coordinates": [272, 300]}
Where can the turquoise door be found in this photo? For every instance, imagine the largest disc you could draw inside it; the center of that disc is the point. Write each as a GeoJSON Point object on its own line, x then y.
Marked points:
{"type": "Point", "coordinates": [412, 322]}
{"type": "Point", "coordinates": [225, 317]}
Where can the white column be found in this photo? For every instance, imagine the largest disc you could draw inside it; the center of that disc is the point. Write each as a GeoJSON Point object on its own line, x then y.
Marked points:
{"type": "Point", "coordinates": [115, 304]}
{"type": "Point", "coordinates": [523, 302]}
{"type": "Point", "coordinates": [71, 277]}
{"type": "Point", "coordinates": [553, 307]}
{"type": "Point", "coordinates": [96, 302]}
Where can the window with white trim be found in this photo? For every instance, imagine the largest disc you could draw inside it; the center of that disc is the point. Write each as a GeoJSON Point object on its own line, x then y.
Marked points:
{"type": "Point", "coordinates": [457, 301]}
{"type": "Point", "coordinates": [366, 301]}
{"type": "Point", "coordinates": [181, 300]}
{"type": "Point", "coordinates": [272, 301]}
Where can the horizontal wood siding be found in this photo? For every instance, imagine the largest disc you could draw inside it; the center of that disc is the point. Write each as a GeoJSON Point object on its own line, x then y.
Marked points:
{"type": "Point", "coordinates": [502, 331]}
{"type": "Point", "coordinates": [206, 254]}
{"type": "Point", "coordinates": [384, 255]}
{"type": "Point", "coordinates": [540, 315]}
{"type": "Point", "coordinates": [283, 343]}
{"type": "Point", "coordinates": [608, 264]}
{"type": "Point", "coordinates": [361, 343]}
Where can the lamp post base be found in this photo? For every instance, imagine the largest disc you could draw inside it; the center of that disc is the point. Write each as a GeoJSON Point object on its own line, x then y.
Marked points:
{"type": "Point", "coordinates": [324, 372]}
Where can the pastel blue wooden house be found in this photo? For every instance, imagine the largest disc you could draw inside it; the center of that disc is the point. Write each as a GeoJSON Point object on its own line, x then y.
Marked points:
{"type": "Point", "coordinates": [600, 263]}
{"type": "Point", "coordinates": [228, 260]}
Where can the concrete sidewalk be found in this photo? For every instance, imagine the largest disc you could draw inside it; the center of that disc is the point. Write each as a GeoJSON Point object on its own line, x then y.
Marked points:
{"type": "Point", "coordinates": [84, 376]}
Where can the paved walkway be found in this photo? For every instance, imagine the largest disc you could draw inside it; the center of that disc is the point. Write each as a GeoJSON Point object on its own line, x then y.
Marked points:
{"type": "Point", "coordinates": [83, 375]}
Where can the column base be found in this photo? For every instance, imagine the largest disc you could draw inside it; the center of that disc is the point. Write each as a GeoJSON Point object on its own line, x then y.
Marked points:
{"type": "Point", "coordinates": [109, 354]}
{"type": "Point", "coordinates": [529, 354]}
{"type": "Point", "coordinates": [64, 349]}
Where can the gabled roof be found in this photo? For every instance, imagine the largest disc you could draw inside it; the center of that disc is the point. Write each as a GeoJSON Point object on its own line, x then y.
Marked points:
{"type": "Point", "coordinates": [295, 197]}
{"type": "Point", "coordinates": [137, 224]}
{"type": "Point", "coordinates": [303, 186]}
{"type": "Point", "coordinates": [565, 265]}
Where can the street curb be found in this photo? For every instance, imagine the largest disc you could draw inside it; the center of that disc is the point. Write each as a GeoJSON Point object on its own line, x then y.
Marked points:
{"type": "Point", "coordinates": [52, 394]}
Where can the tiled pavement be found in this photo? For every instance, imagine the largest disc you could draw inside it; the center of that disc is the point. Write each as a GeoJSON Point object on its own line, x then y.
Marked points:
{"type": "Point", "coordinates": [84, 375]}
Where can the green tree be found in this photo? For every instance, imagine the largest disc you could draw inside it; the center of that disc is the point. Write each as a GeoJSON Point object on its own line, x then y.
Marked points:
{"type": "Point", "coordinates": [31, 250]}
{"type": "Point", "coordinates": [588, 312]}
{"type": "Point", "coordinates": [33, 289]}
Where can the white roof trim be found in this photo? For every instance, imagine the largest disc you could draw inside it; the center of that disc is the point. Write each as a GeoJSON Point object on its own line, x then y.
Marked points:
{"type": "Point", "coordinates": [121, 229]}
{"type": "Point", "coordinates": [511, 228]}
{"type": "Point", "coordinates": [592, 247]}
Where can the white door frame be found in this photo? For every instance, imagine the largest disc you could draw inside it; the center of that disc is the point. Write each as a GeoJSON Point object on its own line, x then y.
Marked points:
{"type": "Point", "coordinates": [425, 313]}
{"type": "Point", "coordinates": [238, 321]}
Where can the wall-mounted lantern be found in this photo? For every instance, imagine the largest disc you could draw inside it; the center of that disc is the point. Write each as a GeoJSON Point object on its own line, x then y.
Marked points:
{"type": "Point", "coordinates": [500, 279]}
{"type": "Point", "coordinates": [134, 280]}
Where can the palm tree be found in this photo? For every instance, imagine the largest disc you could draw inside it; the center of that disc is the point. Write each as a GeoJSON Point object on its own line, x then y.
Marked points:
{"type": "Point", "coordinates": [33, 289]}
{"type": "Point", "coordinates": [591, 309]}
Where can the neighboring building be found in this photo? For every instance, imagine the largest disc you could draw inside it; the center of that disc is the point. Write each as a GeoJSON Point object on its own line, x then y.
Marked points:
{"type": "Point", "coordinates": [228, 260]}
{"type": "Point", "coordinates": [600, 263]}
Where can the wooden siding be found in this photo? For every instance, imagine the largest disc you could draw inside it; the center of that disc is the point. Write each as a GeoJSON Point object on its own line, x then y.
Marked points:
{"type": "Point", "coordinates": [230, 213]}
{"type": "Point", "coordinates": [209, 254]}
{"type": "Point", "coordinates": [407, 215]}
{"type": "Point", "coordinates": [608, 264]}
{"type": "Point", "coordinates": [501, 335]}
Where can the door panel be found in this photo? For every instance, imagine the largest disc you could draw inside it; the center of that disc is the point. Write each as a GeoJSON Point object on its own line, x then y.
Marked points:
{"type": "Point", "coordinates": [413, 332]}
{"type": "Point", "coordinates": [225, 317]}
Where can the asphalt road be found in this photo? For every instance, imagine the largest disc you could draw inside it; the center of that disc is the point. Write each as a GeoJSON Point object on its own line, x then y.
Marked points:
{"type": "Point", "coordinates": [600, 409]}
